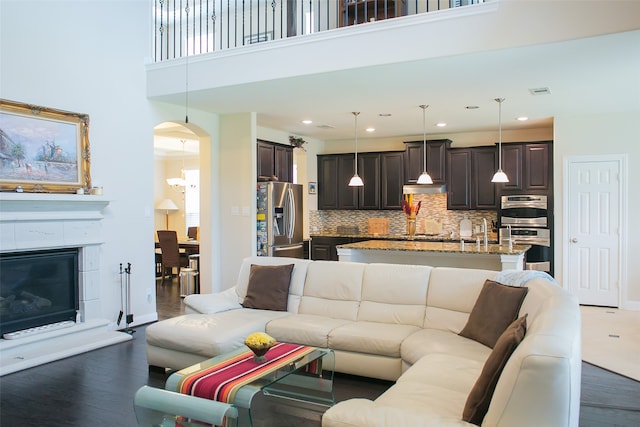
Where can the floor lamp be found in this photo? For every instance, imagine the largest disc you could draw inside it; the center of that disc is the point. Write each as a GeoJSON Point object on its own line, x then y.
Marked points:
{"type": "Point", "coordinates": [168, 206]}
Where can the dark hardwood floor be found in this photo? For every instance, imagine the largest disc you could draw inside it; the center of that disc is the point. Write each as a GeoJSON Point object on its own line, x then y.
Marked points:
{"type": "Point", "coordinates": [96, 388]}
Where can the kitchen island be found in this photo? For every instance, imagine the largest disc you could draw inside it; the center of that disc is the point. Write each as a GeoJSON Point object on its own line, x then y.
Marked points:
{"type": "Point", "coordinates": [436, 254]}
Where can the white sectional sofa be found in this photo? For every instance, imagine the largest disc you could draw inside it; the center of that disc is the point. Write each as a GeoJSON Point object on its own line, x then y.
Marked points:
{"type": "Point", "coordinates": [398, 323]}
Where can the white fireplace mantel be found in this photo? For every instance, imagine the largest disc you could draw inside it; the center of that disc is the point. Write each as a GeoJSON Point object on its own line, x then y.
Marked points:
{"type": "Point", "coordinates": [36, 221]}
{"type": "Point", "coordinates": [31, 221]}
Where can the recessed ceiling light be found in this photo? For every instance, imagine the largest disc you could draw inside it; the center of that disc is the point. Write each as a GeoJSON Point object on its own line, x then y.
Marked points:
{"type": "Point", "coordinates": [385, 114]}
{"type": "Point", "coordinates": [307, 122]}
{"type": "Point", "coordinates": [441, 124]}
{"type": "Point", "coordinates": [471, 107]}
{"type": "Point", "coordinates": [370, 129]}
{"type": "Point", "coordinates": [522, 118]}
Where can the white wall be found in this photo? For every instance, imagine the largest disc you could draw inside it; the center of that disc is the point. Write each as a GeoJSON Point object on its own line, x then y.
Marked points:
{"type": "Point", "coordinates": [87, 57]}
{"type": "Point", "coordinates": [459, 139]}
{"type": "Point", "coordinates": [238, 177]}
{"type": "Point", "coordinates": [615, 133]}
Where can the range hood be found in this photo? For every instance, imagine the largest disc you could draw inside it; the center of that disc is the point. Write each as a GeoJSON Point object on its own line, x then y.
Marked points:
{"type": "Point", "coordinates": [424, 189]}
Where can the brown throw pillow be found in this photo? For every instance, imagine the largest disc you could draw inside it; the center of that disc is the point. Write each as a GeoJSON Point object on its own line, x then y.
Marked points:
{"type": "Point", "coordinates": [268, 287]}
{"type": "Point", "coordinates": [496, 307]}
{"type": "Point", "coordinates": [480, 396]}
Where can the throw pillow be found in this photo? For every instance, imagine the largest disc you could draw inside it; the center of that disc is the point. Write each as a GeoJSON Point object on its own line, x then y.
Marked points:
{"type": "Point", "coordinates": [268, 287]}
{"type": "Point", "coordinates": [480, 396]}
{"type": "Point", "coordinates": [496, 307]}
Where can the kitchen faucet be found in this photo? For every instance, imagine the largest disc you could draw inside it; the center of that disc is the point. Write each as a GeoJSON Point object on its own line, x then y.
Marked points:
{"type": "Point", "coordinates": [484, 230]}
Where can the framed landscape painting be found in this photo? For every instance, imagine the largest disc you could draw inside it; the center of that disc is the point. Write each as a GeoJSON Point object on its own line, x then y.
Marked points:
{"type": "Point", "coordinates": [43, 149]}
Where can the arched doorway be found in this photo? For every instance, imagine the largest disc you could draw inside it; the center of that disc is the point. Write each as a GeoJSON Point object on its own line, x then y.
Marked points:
{"type": "Point", "coordinates": [183, 151]}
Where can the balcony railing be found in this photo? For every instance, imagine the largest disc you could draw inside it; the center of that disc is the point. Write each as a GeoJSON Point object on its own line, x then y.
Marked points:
{"type": "Point", "coordinates": [190, 27]}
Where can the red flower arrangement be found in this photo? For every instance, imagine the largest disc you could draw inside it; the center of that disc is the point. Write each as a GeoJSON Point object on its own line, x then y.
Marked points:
{"type": "Point", "coordinates": [409, 208]}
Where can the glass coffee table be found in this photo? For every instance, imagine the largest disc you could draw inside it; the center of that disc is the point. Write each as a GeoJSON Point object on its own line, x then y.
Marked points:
{"type": "Point", "coordinates": [303, 377]}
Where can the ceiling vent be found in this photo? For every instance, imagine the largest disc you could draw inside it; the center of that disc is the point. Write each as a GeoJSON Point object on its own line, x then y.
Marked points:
{"type": "Point", "coordinates": [326, 127]}
{"type": "Point", "coordinates": [540, 91]}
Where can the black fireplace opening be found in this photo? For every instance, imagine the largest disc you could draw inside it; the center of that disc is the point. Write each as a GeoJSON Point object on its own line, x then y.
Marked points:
{"type": "Point", "coordinates": [38, 288]}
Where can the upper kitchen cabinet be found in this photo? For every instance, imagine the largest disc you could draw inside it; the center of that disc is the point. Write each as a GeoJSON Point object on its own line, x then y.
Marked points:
{"type": "Point", "coordinates": [484, 165]}
{"type": "Point", "coordinates": [459, 178]}
{"type": "Point", "coordinates": [512, 166]}
{"type": "Point", "coordinates": [528, 166]}
{"type": "Point", "coordinates": [537, 170]}
{"type": "Point", "coordinates": [275, 160]}
{"type": "Point", "coordinates": [381, 172]}
{"type": "Point", "coordinates": [436, 160]}
{"type": "Point", "coordinates": [361, 11]}
{"type": "Point", "coordinates": [369, 171]}
{"type": "Point", "coordinates": [392, 177]}
{"type": "Point", "coordinates": [469, 173]}
{"type": "Point", "coordinates": [334, 173]}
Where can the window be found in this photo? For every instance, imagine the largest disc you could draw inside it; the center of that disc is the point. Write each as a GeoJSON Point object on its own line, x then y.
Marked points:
{"type": "Point", "coordinates": [192, 198]}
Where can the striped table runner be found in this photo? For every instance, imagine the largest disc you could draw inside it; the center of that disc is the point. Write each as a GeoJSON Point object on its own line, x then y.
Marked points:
{"type": "Point", "coordinates": [222, 381]}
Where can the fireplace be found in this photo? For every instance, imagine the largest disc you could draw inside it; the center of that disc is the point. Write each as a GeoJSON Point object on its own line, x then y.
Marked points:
{"type": "Point", "coordinates": [43, 234]}
{"type": "Point", "coordinates": [38, 288]}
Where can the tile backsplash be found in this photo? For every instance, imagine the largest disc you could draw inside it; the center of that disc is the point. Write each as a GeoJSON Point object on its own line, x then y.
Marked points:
{"type": "Point", "coordinates": [434, 208]}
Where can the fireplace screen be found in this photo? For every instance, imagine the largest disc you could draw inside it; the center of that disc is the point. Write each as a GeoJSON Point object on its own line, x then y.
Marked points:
{"type": "Point", "coordinates": [38, 288]}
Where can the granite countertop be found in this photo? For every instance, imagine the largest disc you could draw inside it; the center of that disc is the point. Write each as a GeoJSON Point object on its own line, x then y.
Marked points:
{"type": "Point", "coordinates": [443, 247]}
{"type": "Point", "coordinates": [493, 239]}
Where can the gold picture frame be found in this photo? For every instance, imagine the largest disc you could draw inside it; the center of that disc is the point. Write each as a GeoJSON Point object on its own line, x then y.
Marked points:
{"type": "Point", "coordinates": [43, 149]}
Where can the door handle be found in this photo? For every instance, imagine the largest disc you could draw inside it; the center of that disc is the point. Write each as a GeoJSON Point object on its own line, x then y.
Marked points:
{"type": "Point", "coordinates": [574, 240]}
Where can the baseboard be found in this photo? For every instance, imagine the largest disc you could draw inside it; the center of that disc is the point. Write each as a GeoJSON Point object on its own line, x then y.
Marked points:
{"type": "Point", "coordinates": [631, 305]}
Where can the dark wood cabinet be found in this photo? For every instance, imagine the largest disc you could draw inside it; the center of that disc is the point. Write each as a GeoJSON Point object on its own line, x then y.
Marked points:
{"type": "Point", "coordinates": [483, 167]}
{"type": "Point", "coordinates": [275, 160]}
{"type": "Point", "coordinates": [327, 182]}
{"type": "Point", "coordinates": [469, 173]}
{"type": "Point", "coordinates": [512, 166]}
{"type": "Point", "coordinates": [266, 164]}
{"type": "Point", "coordinates": [347, 196]}
{"type": "Point", "coordinates": [361, 11]}
{"type": "Point", "coordinates": [537, 167]}
{"type": "Point", "coordinates": [334, 173]}
{"type": "Point", "coordinates": [369, 171]}
{"type": "Point", "coordinates": [528, 166]}
{"type": "Point", "coordinates": [436, 160]}
{"type": "Point", "coordinates": [392, 177]}
{"type": "Point", "coordinates": [283, 163]}
{"type": "Point", "coordinates": [324, 248]}
{"type": "Point", "coordinates": [381, 172]}
{"type": "Point", "coordinates": [459, 178]}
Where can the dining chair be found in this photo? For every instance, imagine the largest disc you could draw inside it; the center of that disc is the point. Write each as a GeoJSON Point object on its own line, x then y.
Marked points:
{"type": "Point", "coordinates": [170, 252]}
{"type": "Point", "coordinates": [192, 233]}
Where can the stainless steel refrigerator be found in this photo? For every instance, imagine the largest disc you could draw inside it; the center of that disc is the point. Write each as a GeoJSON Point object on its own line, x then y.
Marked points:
{"type": "Point", "coordinates": [279, 219]}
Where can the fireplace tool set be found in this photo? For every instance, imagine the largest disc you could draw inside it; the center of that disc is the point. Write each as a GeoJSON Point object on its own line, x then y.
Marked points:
{"type": "Point", "coordinates": [125, 298]}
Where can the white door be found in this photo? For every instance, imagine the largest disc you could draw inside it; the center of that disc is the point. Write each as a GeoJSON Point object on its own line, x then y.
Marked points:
{"type": "Point", "coordinates": [593, 229]}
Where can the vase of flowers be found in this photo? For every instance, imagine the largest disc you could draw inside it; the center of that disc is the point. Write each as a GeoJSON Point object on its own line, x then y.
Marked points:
{"type": "Point", "coordinates": [259, 343]}
{"type": "Point", "coordinates": [411, 212]}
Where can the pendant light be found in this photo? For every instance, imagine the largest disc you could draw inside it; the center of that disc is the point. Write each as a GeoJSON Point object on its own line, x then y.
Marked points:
{"type": "Point", "coordinates": [424, 177]}
{"type": "Point", "coordinates": [186, 67]}
{"type": "Point", "coordinates": [356, 181]}
{"type": "Point", "coordinates": [500, 176]}
{"type": "Point", "coordinates": [178, 184]}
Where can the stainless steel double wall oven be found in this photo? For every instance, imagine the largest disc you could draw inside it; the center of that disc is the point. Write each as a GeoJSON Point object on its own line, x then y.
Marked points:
{"type": "Point", "coordinates": [526, 219]}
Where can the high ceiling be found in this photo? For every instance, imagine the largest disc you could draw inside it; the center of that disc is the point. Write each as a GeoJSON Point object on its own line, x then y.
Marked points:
{"type": "Point", "coordinates": [585, 76]}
